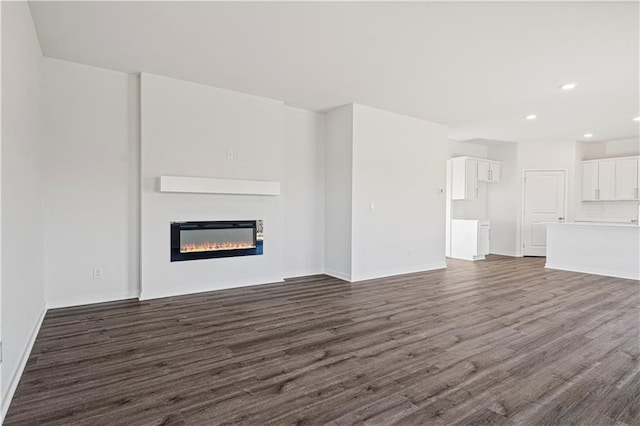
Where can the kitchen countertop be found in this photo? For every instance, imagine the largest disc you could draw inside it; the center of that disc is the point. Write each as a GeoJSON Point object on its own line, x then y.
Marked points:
{"type": "Point", "coordinates": [609, 224]}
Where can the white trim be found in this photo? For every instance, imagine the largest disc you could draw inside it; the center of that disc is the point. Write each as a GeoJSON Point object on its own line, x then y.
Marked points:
{"type": "Point", "coordinates": [396, 272]}
{"type": "Point", "coordinates": [301, 274]}
{"type": "Point", "coordinates": [15, 379]}
{"type": "Point", "coordinates": [200, 185]}
{"type": "Point", "coordinates": [593, 271]}
{"type": "Point", "coordinates": [172, 293]}
{"type": "Point", "coordinates": [89, 301]}
{"type": "Point", "coordinates": [505, 253]}
{"type": "Point", "coordinates": [626, 157]}
{"type": "Point", "coordinates": [339, 275]}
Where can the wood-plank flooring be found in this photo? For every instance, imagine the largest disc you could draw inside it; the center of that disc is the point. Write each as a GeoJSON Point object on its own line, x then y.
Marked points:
{"type": "Point", "coordinates": [501, 341]}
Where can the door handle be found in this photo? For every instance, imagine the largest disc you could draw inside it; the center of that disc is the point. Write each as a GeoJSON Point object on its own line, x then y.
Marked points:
{"type": "Point", "coordinates": [561, 219]}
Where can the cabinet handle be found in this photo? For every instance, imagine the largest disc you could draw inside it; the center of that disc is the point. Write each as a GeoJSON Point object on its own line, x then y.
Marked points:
{"type": "Point", "coordinates": [490, 175]}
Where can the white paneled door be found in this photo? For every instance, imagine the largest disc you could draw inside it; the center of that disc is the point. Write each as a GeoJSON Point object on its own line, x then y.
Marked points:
{"type": "Point", "coordinates": [544, 202]}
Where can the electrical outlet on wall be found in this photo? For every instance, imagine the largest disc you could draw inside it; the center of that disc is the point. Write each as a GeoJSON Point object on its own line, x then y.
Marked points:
{"type": "Point", "coordinates": [98, 273]}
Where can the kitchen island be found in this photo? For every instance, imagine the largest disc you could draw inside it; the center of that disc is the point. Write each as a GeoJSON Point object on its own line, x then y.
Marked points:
{"type": "Point", "coordinates": [611, 249]}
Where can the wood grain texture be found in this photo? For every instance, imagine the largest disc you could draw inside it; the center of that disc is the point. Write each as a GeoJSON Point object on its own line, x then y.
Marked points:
{"type": "Point", "coordinates": [500, 342]}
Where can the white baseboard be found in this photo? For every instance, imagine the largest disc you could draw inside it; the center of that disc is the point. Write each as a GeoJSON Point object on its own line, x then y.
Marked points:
{"type": "Point", "coordinates": [88, 301]}
{"type": "Point", "coordinates": [396, 272]}
{"type": "Point", "coordinates": [15, 378]}
{"type": "Point", "coordinates": [308, 273]}
{"type": "Point", "coordinates": [506, 253]}
{"type": "Point", "coordinates": [339, 275]}
{"type": "Point", "coordinates": [171, 293]}
{"type": "Point", "coordinates": [593, 271]}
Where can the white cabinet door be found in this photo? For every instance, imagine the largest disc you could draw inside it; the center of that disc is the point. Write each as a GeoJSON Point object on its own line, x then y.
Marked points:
{"type": "Point", "coordinates": [495, 171]}
{"type": "Point", "coordinates": [483, 239]}
{"type": "Point", "coordinates": [606, 180]}
{"type": "Point", "coordinates": [466, 172]}
{"type": "Point", "coordinates": [471, 179]}
{"type": "Point", "coordinates": [458, 179]}
{"type": "Point", "coordinates": [589, 181]}
{"type": "Point", "coordinates": [484, 174]}
{"type": "Point", "coordinates": [489, 171]}
{"type": "Point", "coordinates": [626, 181]}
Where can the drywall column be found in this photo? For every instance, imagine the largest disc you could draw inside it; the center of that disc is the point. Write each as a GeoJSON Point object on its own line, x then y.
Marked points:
{"type": "Point", "coordinates": [398, 203]}
{"type": "Point", "coordinates": [87, 191]}
{"type": "Point", "coordinates": [385, 201]}
{"type": "Point", "coordinates": [23, 294]}
{"type": "Point", "coordinates": [338, 192]}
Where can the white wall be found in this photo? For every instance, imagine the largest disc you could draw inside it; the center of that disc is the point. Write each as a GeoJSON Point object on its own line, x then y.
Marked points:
{"type": "Point", "coordinates": [547, 156]}
{"type": "Point", "coordinates": [86, 123]}
{"type": "Point", "coordinates": [461, 149]}
{"type": "Point", "coordinates": [338, 192]}
{"type": "Point", "coordinates": [623, 147]}
{"type": "Point", "coordinates": [502, 200]}
{"type": "Point", "coordinates": [92, 126]}
{"type": "Point", "coordinates": [505, 198]}
{"type": "Point", "coordinates": [399, 164]}
{"type": "Point", "coordinates": [23, 294]}
{"type": "Point", "coordinates": [303, 192]}
{"type": "Point", "coordinates": [186, 130]}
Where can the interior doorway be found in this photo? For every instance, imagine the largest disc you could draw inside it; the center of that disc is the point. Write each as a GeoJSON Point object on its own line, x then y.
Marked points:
{"type": "Point", "coordinates": [544, 202]}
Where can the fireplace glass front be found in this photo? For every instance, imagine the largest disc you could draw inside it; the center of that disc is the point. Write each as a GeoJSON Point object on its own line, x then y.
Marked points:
{"type": "Point", "coordinates": [211, 239]}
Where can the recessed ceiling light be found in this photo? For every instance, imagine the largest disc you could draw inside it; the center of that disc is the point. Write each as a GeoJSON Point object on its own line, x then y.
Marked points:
{"type": "Point", "coordinates": [588, 135]}
{"type": "Point", "coordinates": [636, 119]}
{"type": "Point", "coordinates": [568, 86]}
{"type": "Point", "coordinates": [531, 117]}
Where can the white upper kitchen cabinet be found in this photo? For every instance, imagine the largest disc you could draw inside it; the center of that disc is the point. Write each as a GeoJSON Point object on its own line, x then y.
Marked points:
{"type": "Point", "coordinates": [466, 172]}
{"type": "Point", "coordinates": [464, 178]}
{"type": "Point", "coordinates": [610, 179]}
{"type": "Point", "coordinates": [598, 180]}
{"type": "Point", "coordinates": [606, 180]}
{"type": "Point", "coordinates": [589, 181]}
{"type": "Point", "coordinates": [626, 184]}
{"type": "Point", "coordinates": [495, 171]}
{"type": "Point", "coordinates": [489, 171]}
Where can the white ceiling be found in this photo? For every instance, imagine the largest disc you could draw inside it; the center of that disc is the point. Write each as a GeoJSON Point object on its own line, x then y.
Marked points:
{"type": "Point", "coordinates": [477, 67]}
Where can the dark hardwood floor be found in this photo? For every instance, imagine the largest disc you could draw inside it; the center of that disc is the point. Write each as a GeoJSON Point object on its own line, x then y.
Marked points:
{"type": "Point", "coordinates": [501, 341]}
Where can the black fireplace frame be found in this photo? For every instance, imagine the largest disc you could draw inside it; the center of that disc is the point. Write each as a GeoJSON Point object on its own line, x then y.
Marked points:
{"type": "Point", "coordinates": [176, 227]}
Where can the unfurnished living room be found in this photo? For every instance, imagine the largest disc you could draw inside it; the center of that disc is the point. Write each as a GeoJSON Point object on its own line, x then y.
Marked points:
{"type": "Point", "coordinates": [274, 213]}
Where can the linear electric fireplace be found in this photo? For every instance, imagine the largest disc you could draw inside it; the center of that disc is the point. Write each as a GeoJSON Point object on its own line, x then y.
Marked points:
{"type": "Point", "coordinates": [206, 240]}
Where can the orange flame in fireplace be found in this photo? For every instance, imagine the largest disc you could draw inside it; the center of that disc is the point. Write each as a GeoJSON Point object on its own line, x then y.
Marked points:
{"type": "Point", "coordinates": [209, 246]}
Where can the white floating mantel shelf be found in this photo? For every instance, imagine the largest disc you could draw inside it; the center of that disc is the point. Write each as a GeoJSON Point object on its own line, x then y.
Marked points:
{"type": "Point", "coordinates": [197, 185]}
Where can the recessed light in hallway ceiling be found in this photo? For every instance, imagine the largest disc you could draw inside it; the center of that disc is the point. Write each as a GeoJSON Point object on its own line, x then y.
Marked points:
{"type": "Point", "coordinates": [568, 86]}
